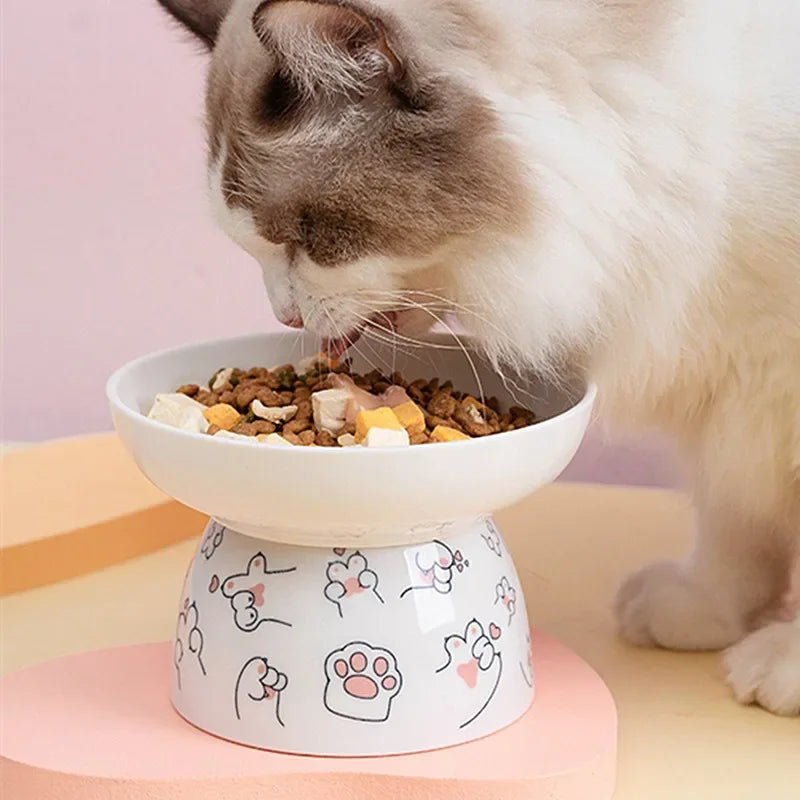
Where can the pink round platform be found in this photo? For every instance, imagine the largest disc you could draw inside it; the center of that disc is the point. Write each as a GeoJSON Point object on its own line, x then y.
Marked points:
{"type": "Point", "coordinates": [99, 726]}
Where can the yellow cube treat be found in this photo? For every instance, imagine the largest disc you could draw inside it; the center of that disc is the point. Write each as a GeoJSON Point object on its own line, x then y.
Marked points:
{"type": "Point", "coordinates": [410, 416]}
{"type": "Point", "coordinates": [382, 417]}
{"type": "Point", "coordinates": [223, 416]}
{"type": "Point", "coordinates": [442, 433]}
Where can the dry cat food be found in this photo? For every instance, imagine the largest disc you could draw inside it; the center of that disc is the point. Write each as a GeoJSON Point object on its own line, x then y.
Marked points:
{"type": "Point", "coordinates": [323, 403]}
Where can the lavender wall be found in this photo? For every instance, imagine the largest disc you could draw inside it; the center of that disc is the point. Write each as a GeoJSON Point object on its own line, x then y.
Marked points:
{"type": "Point", "coordinates": [107, 246]}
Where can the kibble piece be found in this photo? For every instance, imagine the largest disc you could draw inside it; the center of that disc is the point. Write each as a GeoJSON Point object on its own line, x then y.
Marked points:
{"type": "Point", "coordinates": [386, 437]}
{"type": "Point", "coordinates": [274, 439]}
{"type": "Point", "coordinates": [180, 411]}
{"type": "Point", "coordinates": [398, 380]}
{"type": "Point", "coordinates": [273, 414]}
{"type": "Point", "coordinates": [330, 409]}
{"type": "Point", "coordinates": [442, 433]}
{"type": "Point", "coordinates": [254, 428]}
{"type": "Point", "coordinates": [245, 393]}
{"type": "Point", "coordinates": [222, 415]}
{"type": "Point", "coordinates": [433, 421]}
{"type": "Point", "coordinates": [347, 440]}
{"type": "Point", "coordinates": [419, 438]}
{"type": "Point", "coordinates": [411, 417]}
{"type": "Point", "coordinates": [297, 425]}
{"type": "Point", "coordinates": [382, 417]}
{"type": "Point", "coordinates": [470, 415]}
{"type": "Point", "coordinates": [189, 389]}
{"type": "Point", "coordinates": [266, 396]}
{"type": "Point", "coordinates": [442, 404]}
{"type": "Point", "coordinates": [207, 398]}
{"type": "Point", "coordinates": [307, 437]}
{"type": "Point", "coordinates": [304, 409]}
{"type": "Point", "coordinates": [325, 439]}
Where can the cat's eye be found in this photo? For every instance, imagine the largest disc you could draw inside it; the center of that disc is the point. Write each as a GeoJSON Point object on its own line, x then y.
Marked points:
{"type": "Point", "coordinates": [279, 98]}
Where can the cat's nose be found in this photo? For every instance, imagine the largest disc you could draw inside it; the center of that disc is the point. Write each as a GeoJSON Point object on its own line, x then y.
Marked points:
{"type": "Point", "coordinates": [291, 320]}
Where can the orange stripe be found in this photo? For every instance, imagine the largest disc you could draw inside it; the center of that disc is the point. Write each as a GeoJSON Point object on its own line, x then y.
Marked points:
{"type": "Point", "coordinates": [78, 552]}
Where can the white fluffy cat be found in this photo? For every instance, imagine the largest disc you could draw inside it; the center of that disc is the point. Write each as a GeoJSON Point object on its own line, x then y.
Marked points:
{"type": "Point", "coordinates": [612, 182]}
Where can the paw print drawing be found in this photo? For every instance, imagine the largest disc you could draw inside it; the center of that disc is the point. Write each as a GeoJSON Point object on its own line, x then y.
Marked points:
{"type": "Point", "coordinates": [506, 595]}
{"type": "Point", "coordinates": [258, 683]}
{"type": "Point", "coordinates": [526, 667]}
{"type": "Point", "coordinates": [361, 682]}
{"type": "Point", "coordinates": [350, 581]}
{"type": "Point", "coordinates": [492, 538]}
{"type": "Point", "coordinates": [212, 539]}
{"type": "Point", "coordinates": [188, 651]}
{"type": "Point", "coordinates": [474, 668]}
{"type": "Point", "coordinates": [433, 566]}
{"type": "Point", "coordinates": [246, 590]}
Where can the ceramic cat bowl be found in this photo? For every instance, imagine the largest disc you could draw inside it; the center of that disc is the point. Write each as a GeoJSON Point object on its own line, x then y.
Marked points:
{"type": "Point", "coordinates": [348, 602]}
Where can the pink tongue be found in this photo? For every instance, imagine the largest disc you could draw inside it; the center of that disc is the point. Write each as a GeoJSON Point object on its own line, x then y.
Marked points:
{"type": "Point", "coordinates": [336, 348]}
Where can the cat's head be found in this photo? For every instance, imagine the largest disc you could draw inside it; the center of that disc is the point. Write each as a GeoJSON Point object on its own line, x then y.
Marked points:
{"type": "Point", "coordinates": [352, 154]}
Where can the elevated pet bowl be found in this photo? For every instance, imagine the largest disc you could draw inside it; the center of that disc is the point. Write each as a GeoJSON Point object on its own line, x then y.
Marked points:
{"type": "Point", "coordinates": [348, 601]}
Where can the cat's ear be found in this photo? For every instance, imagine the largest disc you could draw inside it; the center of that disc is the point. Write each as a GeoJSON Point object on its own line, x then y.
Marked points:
{"type": "Point", "coordinates": [200, 17]}
{"type": "Point", "coordinates": [312, 35]}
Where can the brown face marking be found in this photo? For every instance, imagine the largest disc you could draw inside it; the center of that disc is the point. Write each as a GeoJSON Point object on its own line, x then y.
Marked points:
{"type": "Point", "coordinates": [396, 169]}
{"type": "Point", "coordinates": [279, 99]}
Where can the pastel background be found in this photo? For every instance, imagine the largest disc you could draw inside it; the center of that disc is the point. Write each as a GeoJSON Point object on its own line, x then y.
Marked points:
{"type": "Point", "coordinates": [108, 250]}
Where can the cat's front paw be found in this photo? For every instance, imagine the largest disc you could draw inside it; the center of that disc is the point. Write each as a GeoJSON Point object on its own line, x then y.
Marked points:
{"type": "Point", "coordinates": [764, 668]}
{"type": "Point", "coordinates": [663, 605]}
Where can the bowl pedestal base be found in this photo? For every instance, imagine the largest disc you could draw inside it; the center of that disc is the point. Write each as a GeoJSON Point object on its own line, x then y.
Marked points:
{"type": "Point", "coordinates": [99, 725]}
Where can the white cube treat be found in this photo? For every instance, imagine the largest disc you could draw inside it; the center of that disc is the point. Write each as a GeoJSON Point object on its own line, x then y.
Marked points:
{"type": "Point", "coordinates": [179, 411]}
{"type": "Point", "coordinates": [329, 408]}
{"type": "Point", "coordinates": [276, 440]}
{"type": "Point", "coordinates": [385, 437]}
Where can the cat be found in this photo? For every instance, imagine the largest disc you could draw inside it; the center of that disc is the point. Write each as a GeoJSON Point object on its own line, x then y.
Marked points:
{"type": "Point", "coordinates": [609, 183]}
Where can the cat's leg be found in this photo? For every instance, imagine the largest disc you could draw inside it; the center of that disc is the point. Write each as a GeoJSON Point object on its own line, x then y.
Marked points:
{"type": "Point", "coordinates": [739, 568]}
{"type": "Point", "coordinates": [764, 667]}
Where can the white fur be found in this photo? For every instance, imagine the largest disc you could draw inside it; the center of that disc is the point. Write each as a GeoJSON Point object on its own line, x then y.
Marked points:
{"type": "Point", "coordinates": [763, 668]}
{"type": "Point", "coordinates": [660, 140]}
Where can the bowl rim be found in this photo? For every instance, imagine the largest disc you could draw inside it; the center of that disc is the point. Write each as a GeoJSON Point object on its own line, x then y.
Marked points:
{"type": "Point", "coordinates": [585, 403]}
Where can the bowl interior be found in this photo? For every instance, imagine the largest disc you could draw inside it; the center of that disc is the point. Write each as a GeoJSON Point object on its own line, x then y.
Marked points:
{"type": "Point", "coordinates": [136, 385]}
{"type": "Point", "coordinates": [354, 491]}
